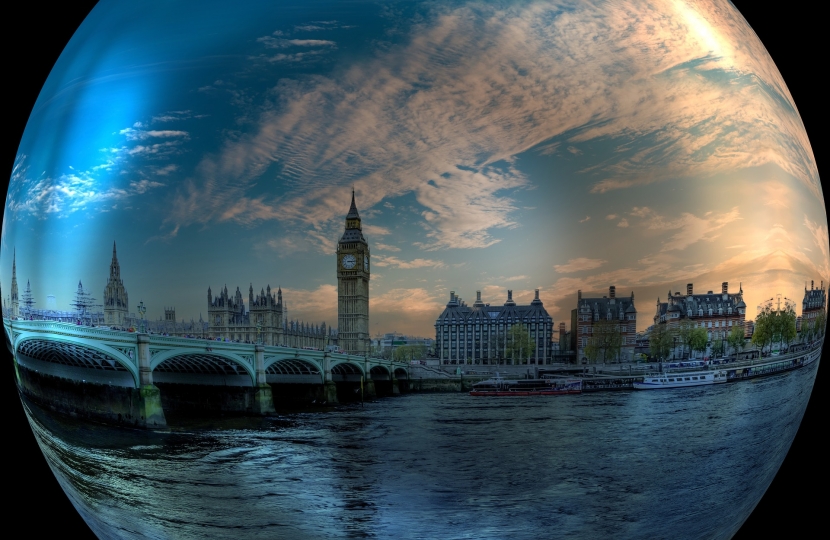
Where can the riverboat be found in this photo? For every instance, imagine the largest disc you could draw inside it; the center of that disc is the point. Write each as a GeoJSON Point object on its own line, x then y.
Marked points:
{"type": "Point", "coordinates": [681, 380]}
{"type": "Point", "coordinates": [526, 387]}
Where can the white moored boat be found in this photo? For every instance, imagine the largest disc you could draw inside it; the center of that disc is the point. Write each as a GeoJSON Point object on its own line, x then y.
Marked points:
{"type": "Point", "coordinates": [681, 380]}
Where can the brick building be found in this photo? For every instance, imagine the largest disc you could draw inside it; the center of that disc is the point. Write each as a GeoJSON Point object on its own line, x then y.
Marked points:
{"type": "Point", "coordinates": [814, 303]}
{"type": "Point", "coordinates": [718, 313]}
{"type": "Point", "coordinates": [594, 313]}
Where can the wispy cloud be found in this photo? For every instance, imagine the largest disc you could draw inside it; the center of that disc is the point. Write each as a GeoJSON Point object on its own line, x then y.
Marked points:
{"type": "Point", "coordinates": [386, 247]}
{"type": "Point", "coordinates": [578, 265]}
{"type": "Point", "coordinates": [395, 262]}
{"type": "Point", "coordinates": [690, 228]}
{"type": "Point", "coordinates": [446, 125]}
{"type": "Point", "coordinates": [586, 218]}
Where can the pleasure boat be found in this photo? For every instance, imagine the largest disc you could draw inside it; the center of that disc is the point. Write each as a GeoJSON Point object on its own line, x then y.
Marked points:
{"type": "Point", "coordinates": [681, 380]}
{"type": "Point", "coordinates": [526, 387]}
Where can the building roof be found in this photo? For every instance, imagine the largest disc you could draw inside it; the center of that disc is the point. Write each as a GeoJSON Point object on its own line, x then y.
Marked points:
{"type": "Point", "coordinates": [607, 307]}
{"type": "Point", "coordinates": [459, 312]}
{"type": "Point", "coordinates": [691, 304]}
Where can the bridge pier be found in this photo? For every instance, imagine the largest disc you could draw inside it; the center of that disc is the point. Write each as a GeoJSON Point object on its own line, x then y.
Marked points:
{"type": "Point", "coordinates": [150, 412]}
{"type": "Point", "coordinates": [395, 388]}
{"type": "Point", "coordinates": [369, 388]}
{"type": "Point", "coordinates": [263, 397]}
{"type": "Point", "coordinates": [329, 387]}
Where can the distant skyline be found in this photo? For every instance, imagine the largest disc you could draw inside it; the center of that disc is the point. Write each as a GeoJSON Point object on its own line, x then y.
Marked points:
{"type": "Point", "coordinates": [564, 152]}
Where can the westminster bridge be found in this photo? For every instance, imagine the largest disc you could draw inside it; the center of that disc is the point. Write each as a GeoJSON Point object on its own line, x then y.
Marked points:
{"type": "Point", "coordinates": [134, 377]}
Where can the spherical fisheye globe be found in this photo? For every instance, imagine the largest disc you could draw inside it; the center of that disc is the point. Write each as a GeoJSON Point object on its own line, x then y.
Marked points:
{"type": "Point", "coordinates": [414, 269]}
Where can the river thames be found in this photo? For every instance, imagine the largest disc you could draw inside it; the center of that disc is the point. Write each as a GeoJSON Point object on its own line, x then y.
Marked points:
{"type": "Point", "coordinates": [685, 463]}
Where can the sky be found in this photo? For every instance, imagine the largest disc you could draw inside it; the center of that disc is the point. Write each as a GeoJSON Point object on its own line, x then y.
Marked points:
{"type": "Point", "coordinates": [492, 146]}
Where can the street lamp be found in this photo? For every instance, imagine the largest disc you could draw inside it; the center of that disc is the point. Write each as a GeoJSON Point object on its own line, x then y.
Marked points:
{"type": "Point", "coordinates": [258, 329]}
{"type": "Point", "coordinates": [142, 309]}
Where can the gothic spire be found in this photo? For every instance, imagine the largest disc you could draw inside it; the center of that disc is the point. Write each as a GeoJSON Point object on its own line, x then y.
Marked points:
{"type": "Point", "coordinates": [353, 209]}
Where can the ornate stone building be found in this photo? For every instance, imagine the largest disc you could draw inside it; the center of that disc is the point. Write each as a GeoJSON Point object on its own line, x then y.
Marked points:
{"type": "Point", "coordinates": [478, 334]}
{"type": "Point", "coordinates": [353, 287]}
{"type": "Point", "coordinates": [116, 310]}
{"type": "Point", "coordinates": [718, 313]}
{"type": "Point", "coordinates": [591, 314]}
{"type": "Point", "coordinates": [263, 321]}
{"type": "Point", "coordinates": [15, 301]}
{"type": "Point", "coordinates": [814, 303]}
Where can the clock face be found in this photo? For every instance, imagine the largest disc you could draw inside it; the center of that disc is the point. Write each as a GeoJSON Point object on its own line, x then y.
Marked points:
{"type": "Point", "coordinates": [365, 263]}
{"type": "Point", "coordinates": [349, 261]}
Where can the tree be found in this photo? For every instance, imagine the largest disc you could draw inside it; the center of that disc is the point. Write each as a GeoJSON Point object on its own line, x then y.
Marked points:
{"type": "Point", "coordinates": [820, 324]}
{"type": "Point", "coordinates": [699, 339]}
{"type": "Point", "coordinates": [520, 346]}
{"type": "Point", "coordinates": [684, 334]}
{"type": "Point", "coordinates": [786, 324]}
{"type": "Point", "coordinates": [591, 350]}
{"type": "Point", "coordinates": [718, 347]}
{"type": "Point", "coordinates": [764, 332]}
{"type": "Point", "coordinates": [660, 341]}
{"type": "Point", "coordinates": [735, 339]}
{"type": "Point", "coordinates": [407, 353]}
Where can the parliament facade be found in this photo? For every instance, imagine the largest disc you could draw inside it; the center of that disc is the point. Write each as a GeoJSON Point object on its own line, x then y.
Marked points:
{"type": "Point", "coordinates": [262, 322]}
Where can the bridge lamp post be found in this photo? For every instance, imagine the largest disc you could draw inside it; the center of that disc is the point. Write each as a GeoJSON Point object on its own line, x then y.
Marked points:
{"type": "Point", "coordinates": [258, 329]}
{"type": "Point", "coordinates": [142, 309]}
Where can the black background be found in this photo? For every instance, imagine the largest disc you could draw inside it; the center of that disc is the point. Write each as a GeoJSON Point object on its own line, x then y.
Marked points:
{"type": "Point", "coordinates": [36, 35]}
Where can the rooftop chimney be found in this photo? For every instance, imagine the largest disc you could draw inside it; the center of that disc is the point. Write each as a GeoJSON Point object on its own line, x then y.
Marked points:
{"type": "Point", "coordinates": [579, 295]}
{"type": "Point", "coordinates": [478, 296]}
{"type": "Point", "coordinates": [612, 292]}
{"type": "Point", "coordinates": [725, 287]}
{"type": "Point", "coordinates": [452, 296]}
{"type": "Point", "coordinates": [811, 284]}
{"type": "Point", "coordinates": [537, 294]}
{"type": "Point", "coordinates": [689, 289]}
{"type": "Point", "coordinates": [509, 295]}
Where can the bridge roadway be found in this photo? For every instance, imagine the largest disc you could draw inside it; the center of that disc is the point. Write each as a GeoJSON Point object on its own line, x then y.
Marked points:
{"type": "Point", "coordinates": [139, 361]}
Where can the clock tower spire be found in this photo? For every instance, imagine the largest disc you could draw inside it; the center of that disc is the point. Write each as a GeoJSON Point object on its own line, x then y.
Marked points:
{"type": "Point", "coordinates": [353, 286]}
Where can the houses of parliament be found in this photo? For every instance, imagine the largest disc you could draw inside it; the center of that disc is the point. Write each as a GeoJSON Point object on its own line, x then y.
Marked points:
{"type": "Point", "coordinates": [262, 318]}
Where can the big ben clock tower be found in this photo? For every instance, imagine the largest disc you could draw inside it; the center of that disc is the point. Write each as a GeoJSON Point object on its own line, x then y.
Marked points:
{"type": "Point", "coordinates": [353, 287]}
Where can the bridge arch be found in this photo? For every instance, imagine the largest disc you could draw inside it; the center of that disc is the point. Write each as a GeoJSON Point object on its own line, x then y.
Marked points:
{"type": "Point", "coordinates": [380, 372]}
{"type": "Point", "coordinates": [201, 362]}
{"type": "Point", "coordinates": [291, 370]}
{"type": "Point", "coordinates": [297, 361]}
{"type": "Point", "coordinates": [401, 373]}
{"type": "Point", "coordinates": [74, 352]}
{"type": "Point", "coordinates": [346, 367]}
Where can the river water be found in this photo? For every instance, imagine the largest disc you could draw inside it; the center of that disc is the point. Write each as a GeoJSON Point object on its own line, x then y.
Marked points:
{"type": "Point", "coordinates": [683, 463]}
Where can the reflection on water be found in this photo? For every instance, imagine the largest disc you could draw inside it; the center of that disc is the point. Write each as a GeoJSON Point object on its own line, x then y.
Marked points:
{"type": "Point", "coordinates": [687, 463]}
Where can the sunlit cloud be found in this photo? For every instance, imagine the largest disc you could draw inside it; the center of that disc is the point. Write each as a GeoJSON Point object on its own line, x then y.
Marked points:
{"type": "Point", "coordinates": [395, 262]}
{"type": "Point", "coordinates": [578, 265]}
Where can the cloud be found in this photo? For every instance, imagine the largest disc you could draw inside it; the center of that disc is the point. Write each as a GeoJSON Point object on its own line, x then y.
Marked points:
{"type": "Point", "coordinates": [375, 230]}
{"type": "Point", "coordinates": [143, 186]}
{"type": "Point", "coordinates": [578, 265]}
{"type": "Point", "coordinates": [690, 228]}
{"type": "Point", "coordinates": [444, 114]}
{"type": "Point", "coordinates": [586, 218]}
{"type": "Point", "coordinates": [611, 216]}
{"type": "Point", "coordinates": [822, 240]}
{"type": "Point", "coordinates": [65, 194]}
{"type": "Point", "coordinates": [395, 262]}
{"type": "Point", "coordinates": [386, 247]}
{"type": "Point", "coordinates": [514, 278]}
{"type": "Point", "coordinates": [623, 223]}
{"type": "Point", "coordinates": [316, 306]}
{"type": "Point", "coordinates": [140, 135]}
